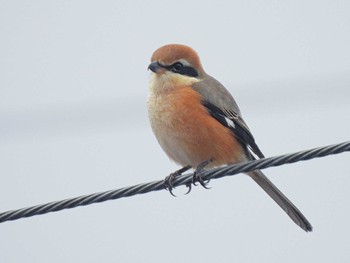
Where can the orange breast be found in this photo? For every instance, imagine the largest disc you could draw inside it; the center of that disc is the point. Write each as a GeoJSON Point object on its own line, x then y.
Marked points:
{"type": "Point", "coordinates": [187, 133]}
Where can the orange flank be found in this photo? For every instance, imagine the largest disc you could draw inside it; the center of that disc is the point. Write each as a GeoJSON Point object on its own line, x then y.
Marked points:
{"type": "Point", "coordinates": [188, 133]}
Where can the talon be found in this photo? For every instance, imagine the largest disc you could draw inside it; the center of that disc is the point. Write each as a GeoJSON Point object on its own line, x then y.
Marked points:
{"type": "Point", "coordinates": [203, 183]}
{"type": "Point", "coordinates": [168, 181]}
{"type": "Point", "coordinates": [171, 192]}
{"type": "Point", "coordinates": [198, 178]}
{"type": "Point", "coordinates": [189, 186]}
{"type": "Point", "coordinates": [197, 174]}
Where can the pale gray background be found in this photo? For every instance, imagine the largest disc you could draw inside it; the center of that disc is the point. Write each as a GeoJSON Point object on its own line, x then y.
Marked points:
{"type": "Point", "coordinates": [73, 121]}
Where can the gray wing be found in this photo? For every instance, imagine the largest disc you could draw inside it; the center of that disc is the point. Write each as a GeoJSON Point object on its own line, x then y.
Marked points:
{"type": "Point", "coordinates": [222, 106]}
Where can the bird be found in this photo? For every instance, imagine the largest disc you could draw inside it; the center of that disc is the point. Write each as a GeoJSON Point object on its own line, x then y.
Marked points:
{"type": "Point", "coordinates": [198, 123]}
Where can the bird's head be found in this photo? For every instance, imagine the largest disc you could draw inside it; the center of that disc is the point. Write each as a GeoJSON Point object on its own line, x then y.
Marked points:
{"type": "Point", "coordinates": [176, 64]}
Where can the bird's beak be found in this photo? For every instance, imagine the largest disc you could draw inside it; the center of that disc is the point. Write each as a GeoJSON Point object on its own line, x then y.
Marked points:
{"type": "Point", "coordinates": [155, 66]}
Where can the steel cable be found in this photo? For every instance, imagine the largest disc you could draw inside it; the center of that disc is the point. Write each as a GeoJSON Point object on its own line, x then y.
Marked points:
{"type": "Point", "coordinates": [180, 180]}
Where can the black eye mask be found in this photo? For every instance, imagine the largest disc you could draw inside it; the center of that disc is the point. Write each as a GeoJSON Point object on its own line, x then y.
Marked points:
{"type": "Point", "coordinates": [179, 68]}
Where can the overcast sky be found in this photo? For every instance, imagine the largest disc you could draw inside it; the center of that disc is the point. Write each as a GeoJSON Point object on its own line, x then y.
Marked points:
{"type": "Point", "coordinates": [73, 121]}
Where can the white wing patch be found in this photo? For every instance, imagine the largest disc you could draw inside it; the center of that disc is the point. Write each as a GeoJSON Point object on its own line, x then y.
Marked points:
{"type": "Point", "coordinates": [230, 122]}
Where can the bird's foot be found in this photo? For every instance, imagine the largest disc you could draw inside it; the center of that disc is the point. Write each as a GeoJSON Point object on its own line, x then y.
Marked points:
{"type": "Point", "coordinates": [197, 176]}
{"type": "Point", "coordinates": [168, 181]}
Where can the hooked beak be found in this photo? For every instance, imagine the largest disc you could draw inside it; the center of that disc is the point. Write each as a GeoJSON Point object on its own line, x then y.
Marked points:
{"type": "Point", "coordinates": [155, 66]}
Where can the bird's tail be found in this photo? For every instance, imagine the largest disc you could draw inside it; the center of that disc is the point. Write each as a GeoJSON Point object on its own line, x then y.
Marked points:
{"type": "Point", "coordinates": [281, 199]}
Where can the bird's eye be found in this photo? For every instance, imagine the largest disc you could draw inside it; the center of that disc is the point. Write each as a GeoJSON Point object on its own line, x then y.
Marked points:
{"type": "Point", "coordinates": [177, 66]}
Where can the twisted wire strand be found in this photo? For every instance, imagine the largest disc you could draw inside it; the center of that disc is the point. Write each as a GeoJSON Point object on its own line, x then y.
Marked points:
{"type": "Point", "coordinates": [180, 180]}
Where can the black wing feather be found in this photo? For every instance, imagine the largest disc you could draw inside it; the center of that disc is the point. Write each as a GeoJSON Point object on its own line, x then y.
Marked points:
{"type": "Point", "coordinates": [240, 129]}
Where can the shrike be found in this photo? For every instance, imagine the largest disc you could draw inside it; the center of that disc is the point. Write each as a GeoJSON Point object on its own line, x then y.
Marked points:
{"type": "Point", "coordinates": [198, 123]}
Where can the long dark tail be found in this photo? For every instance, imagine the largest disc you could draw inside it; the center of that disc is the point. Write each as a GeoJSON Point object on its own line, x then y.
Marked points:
{"type": "Point", "coordinates": [281, 200]}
